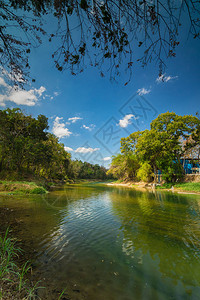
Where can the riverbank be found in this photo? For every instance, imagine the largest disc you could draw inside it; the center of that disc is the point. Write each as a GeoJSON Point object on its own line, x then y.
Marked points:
{"type": "Point", "coordinates": [21, 187]}
{"type": "Point", "coordinates": [184, 187]}
{"type": "Point", "coordinates": [9, 187]}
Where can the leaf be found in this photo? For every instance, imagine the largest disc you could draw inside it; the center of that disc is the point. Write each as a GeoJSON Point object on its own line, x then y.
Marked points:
{"type": "Point", "coordinates": [84, 4]}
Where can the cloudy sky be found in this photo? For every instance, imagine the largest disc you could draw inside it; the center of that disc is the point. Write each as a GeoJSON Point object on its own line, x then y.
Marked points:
{"type": "Point", "coordinates": [89, 114]}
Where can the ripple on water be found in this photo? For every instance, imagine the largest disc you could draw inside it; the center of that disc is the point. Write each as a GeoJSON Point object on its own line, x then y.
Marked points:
{"type": "Point", "coordinates": [111, 243]}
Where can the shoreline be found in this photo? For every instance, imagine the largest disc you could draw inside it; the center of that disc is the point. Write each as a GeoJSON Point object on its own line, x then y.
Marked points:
{"type": "Point", "coordinates": [149, 187]}
{"type": "Point", "coordinates": [21, 188]}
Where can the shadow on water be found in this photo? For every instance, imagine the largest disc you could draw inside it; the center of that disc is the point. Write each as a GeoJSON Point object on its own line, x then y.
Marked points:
{"type": "Point", "coordinates": [109, 243]}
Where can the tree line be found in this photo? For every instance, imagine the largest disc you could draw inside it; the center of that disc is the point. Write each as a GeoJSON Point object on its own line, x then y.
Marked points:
{"type": "Point", "coordinates": [170, 140]}
{"type": "Point", "coordinates": [26, 147]}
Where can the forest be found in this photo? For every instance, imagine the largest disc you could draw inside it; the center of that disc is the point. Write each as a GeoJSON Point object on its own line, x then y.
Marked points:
{"type": "Point", "coordinates": [162, 149]}
{"type": "Point", "coordinates": [27, 149]}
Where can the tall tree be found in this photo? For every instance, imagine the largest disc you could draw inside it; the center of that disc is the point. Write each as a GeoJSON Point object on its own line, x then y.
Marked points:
{"type": "Point", "coordinates": [19, 137]}
{"type": "Point", "coordinates": [161, 147]}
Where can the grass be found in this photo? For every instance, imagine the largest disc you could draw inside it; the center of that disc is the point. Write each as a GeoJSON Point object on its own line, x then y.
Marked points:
{"type": "Point", "coordinates": [13, 281]}
{"type": "Point", "coordinates": [165, 186]}
{"type": "Point", "coordinates": [184, 186]}
{"type": "Point", "coordinates": [21, 187]}
{"type": "Point", "coordinates": [189, 186]}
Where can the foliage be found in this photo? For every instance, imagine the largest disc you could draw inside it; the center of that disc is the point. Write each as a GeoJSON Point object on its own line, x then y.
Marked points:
{"type": "Point", "coordinates": [106, 31]}
{"type": "Point", "coordinates": [21, 139]}
{"type": "Point", "coordinates": [21, 187]}
{"type": "Point", "coordinates": [189, 186]}
{"type": "Point", "coordinates": [170, 138]}
{"type": "Point", "coordinates": [145, 172]}
{"type": "Point", "coordinates": [27, 148]}
{"type": "Point", "coordinates": [172, 172]}
{"type": "Point", "coordinates": [124, 166]}
{"type": "Point", "coordinates": [183, 186]}
{"type": "Point", "coordinates": [117, 166]}
{"type": "Point", "coordinates": [14, 284]}
{"type": "Point", "coordinates": [85, 170]}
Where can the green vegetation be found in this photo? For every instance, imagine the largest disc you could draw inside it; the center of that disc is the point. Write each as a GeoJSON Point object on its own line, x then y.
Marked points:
{"type": "Point", "coordinates": [143, 153]}
{"type": "Point", "coordinates": [13, 279]}
{"type": "Point", "coordinates": [144, 173]}
{"type": "Point", "coordinates": [183, 186]}
{"type": "Point", "coordinates": [21, 187]}
{"type": "Point", "coordinates": [29, 152]}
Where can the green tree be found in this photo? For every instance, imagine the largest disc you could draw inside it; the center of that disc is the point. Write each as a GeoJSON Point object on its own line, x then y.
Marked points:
{"type": "Point", "coordinates": [124, 166]}
{"type": "Point", "coordinates": [20, 137]}
{"type": "Point", "coordinates": [145, 173]}
{"type": "Point", "coordinates": [161, 147]}
{"type": "Point", "coordinates": [26, 146]}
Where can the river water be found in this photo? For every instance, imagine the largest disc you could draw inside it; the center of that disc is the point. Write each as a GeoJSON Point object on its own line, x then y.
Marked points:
{"type": "Point", "coordinates": [100, 242]}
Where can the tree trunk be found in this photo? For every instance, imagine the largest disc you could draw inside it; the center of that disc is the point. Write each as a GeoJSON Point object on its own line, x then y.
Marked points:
{"type": "Point", "coordinates": [155, 173]}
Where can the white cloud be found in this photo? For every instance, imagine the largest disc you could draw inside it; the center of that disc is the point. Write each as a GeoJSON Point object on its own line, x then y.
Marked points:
{"type": "Point", "coordinates": [59, 128]}
{"type": "Point", "coordinates": [164, 78]}
{"type": "Point", "coordinates": [86, 150]}
{"type": "Point", "coordinates": [126, 120]}
{"type": "Point", "coordinates": [41, 90]}
{"type": "Point", "coordinates": [3, 83]}
{"type": "Point", "coordinates": [90, 128]}
{"type": "Point", "coordinates": [143, 91]}
{"type": "Point", "coordinates": [74, 119]}
{"type": "Point", "coordinates": [68, 149]}
{"type": "Point", "coordinates": [106, 158]}
{"type": "Point", "coordinates": [56, 94]}
{"type": "Point", "coordinates": [19, 96]}
{"type": "Point", "coordinates": [83, 150]}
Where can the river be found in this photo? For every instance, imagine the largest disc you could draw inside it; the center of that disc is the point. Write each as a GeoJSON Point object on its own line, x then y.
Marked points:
{"type": "Point", "coordinates": [101, 242]}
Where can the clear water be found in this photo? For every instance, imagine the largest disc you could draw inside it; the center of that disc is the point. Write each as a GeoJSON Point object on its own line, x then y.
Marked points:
{"type": "Point", "coordinates": [103, 242]}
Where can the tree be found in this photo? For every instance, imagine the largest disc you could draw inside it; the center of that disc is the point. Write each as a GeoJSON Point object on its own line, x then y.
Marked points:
{"type": "Point", "coordinates": [152, 148]}
{"type": "Point", "coordinates": [124, 166]}
{"type": "Point", "coordinates": [145, 172]}
{"type": "Point", "coordinates": [20, 137]}
{"type": "Point", "coordinates": [117, 167]}
{"type": "Point", "coordinates": [161, 147]}
{"type": "Point", "coordinates": [95, 33]}
{"type": "Point", "coordinates": [191, 145]}
{"type": "Point", "coordinates": [27, 147]}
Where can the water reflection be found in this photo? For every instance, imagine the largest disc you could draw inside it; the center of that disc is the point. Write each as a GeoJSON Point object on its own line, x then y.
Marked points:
{"type": "Point", "coordinates": [161, 232]}
{"type": "Point", "coordinates": [109, 243]}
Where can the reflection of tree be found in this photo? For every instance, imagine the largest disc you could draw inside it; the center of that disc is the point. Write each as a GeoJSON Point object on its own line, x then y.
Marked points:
{"type": "Point", "coordinates": [165, 226]}
{"type": "Point", "coordinates": [58, 198]}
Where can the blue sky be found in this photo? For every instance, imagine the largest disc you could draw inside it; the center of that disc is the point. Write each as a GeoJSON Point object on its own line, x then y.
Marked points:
{"type": "Point", "coordinates": [90, 114]}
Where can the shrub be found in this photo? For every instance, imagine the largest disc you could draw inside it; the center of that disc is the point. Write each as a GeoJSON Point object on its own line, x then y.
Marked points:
{"type": "Point", "coordinates": [145, 172]}
{"type": "Point", "coordinates": [38, 190]}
